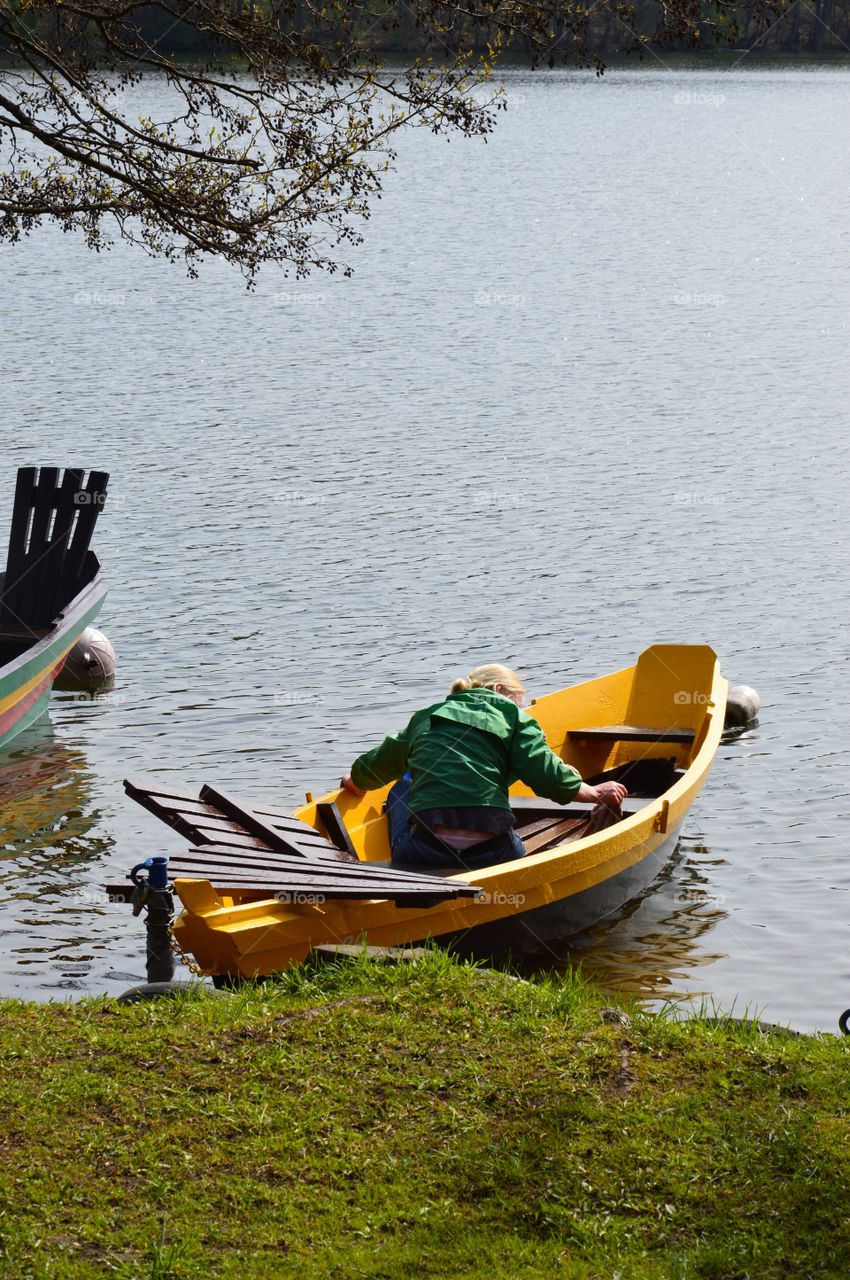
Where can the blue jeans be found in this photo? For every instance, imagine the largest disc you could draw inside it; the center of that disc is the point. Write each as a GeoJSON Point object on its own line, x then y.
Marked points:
{"type": "Point", "coordinates": [412, 846]}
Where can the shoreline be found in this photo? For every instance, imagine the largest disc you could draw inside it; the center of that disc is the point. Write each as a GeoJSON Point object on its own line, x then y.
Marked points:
{"type": "Point", "coordinates": [424, 1117]}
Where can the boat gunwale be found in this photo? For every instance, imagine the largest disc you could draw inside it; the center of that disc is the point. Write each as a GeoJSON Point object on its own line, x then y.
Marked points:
{"type": "Point", "coordinates": [633, 839]}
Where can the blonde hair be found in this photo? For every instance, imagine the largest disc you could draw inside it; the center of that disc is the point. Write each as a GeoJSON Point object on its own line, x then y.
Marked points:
{"type": "Point", "coordinates": [486, 677]}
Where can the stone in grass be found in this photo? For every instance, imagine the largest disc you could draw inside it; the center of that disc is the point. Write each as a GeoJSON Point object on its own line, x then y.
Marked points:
{"type": "Point", "coordinates": [162, 990]}
{"type": "Point", "coordinates": [615, 1016]}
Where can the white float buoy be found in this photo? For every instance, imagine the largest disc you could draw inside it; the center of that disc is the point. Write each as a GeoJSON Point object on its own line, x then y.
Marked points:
{"type": "Point", "coordinates": [91, 662]}
{"type": "Point", "coordinates": [742, 706]}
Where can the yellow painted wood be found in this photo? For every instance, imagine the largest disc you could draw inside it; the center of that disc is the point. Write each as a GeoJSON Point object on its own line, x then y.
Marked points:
{"type": "Point", "coordinates": [671, 686]}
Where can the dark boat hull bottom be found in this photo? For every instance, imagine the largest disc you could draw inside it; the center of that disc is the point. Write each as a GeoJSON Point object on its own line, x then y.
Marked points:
{"type": "Point", "coordinates": [536, 933]}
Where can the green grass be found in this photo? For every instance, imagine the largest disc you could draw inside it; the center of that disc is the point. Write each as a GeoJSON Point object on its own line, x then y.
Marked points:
{"type": "Point", "coordinates": [425, 1120]}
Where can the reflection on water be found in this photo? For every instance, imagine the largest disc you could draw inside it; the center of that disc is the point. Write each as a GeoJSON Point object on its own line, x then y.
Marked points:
{"type": "Point", "coordinates": [650, 948]}
{"type": "Point", "coordinates": [51, 841]}
{"type": "Point", "coordinates": [43, 798]}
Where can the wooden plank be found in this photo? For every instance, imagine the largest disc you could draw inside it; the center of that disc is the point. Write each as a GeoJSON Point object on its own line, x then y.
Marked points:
{"type": "Point", "coordinates": [323, 854]}
{"type": "Point", "coordinates": [235, 839]}
{"type": "Point", "coordinates": [370, 886]}
{"type": "Point", "coordinates": [553, 835]}
{"type": "Point", "coordinates": [118, 892]}
{"type": "Point", "coordinates": [419, 895]}
{"type": "Point", "coordinates": [16, 556]}
{"type": "Point", "coordinates": [53, 586]}
{"type": "Point", "coordinates": [34, 587]}
{"type": "Point", "coordinates": [527, 809]}
{"type": "Point", "coordinates": [137, 789]}
{"type": "Point", "coordinates": [528, 829]}
{"type": "Point", "coordinates": [338, 833]}
{"type": "Point", "coordinates": [275, 838]}
{"type": "Point", "coordinates": [25, 592]}
{"type": "Point", "coordinates": [150, 801]}
{"type": "Point", "coordinates": [219, 853]}
{"type": "Point", "coordinates": [244, 866]}
{"type": "Point", "coordinates": [630, 733]}
{"type": "Point", "coordinates": [255, 825]}
{"type": "Point", "coordinates": [78, 546]}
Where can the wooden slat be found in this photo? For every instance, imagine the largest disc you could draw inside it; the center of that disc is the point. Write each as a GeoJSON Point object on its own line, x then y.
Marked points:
{"type": "Point", "coordinates": [78, 546]}
{"type": "Point", "coordinates": [301, 878]}
{"type": "Point", "coordinates": [244, 846]}
{"type": "Point", "coordinates": [532, 808]}
{"type": "Point", "coordinates": [23, 594]}
{"type": "Point", "coordinates": [200, 817]}
{"type": "Point", "coordinates": [419, 897]}
{"type": "Point", "coordinates": [231, 807]}
{"type": "Point", "coordinates": [16, 558]}
{"type": "Point", "coordinates": [273, 870]}
{"type": "Point", "coordinates": [163, 805]}
{"type": "Point", "coordinates": [235, 839]}
{"type": "Point", "coordinates": [365, 886]}
{"type": "Point", "coordinates": [34, 584]}
{"type": "Point", "coordinates": [52, 591]}
{"type": "Point", "coordinates": [630, 733]}
{"type": "Point", "coordinates": [553, 835]}
{"type": "Point", "coordinates": [527, 829]}
{"type": "Point", "coordinates": [338, 833]}
{"type": "Point", "coordinates": [218, 853]}
{"type": "Point", "coordinates": [137, 791]}
{"type": "Point", "coordinates": [411, 895]}
{"type": "Point", "coordinates": [273, 836]}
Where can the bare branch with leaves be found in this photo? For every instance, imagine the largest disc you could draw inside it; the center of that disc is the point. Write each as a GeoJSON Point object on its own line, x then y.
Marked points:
{"type": "Point", "coordinates": [271, 144]}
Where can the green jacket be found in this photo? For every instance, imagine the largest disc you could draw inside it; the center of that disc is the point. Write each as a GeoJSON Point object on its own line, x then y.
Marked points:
{"type": "Point", "coordinates": [466, 751]}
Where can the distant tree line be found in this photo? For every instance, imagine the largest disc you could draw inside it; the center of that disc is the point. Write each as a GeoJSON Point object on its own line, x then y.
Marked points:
{"type": "Point", "coordinates": [822, 26]}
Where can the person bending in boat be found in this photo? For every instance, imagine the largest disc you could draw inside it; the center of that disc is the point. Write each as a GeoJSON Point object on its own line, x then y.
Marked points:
{"type": "Point", "coordinates": [456, 760]}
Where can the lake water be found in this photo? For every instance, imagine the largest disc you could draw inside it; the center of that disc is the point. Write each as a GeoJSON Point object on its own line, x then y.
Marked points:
{"type": "Point", "coordinates": [587, 390]}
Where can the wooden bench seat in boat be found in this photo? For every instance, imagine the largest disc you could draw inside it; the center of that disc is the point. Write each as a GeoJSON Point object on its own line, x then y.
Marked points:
{"type": "Point", "coordinates": [630, 733]}
{"type": "Point", "coordinates": [49, 560]}
{"type": "Point", "coordinates": [530, 808]}
{"type": "Point", "coordinates": [241, 848]}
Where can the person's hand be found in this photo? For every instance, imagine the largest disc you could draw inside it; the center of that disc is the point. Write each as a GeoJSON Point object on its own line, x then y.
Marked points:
{"type": "Point", "coordinates": [611, 793]}
{"type": "Point", "coordinates": [348, 785]}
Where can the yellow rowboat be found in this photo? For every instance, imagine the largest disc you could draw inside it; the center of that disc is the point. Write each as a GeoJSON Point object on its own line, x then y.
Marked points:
{"type": "Point", "coordinates": [656, 725]}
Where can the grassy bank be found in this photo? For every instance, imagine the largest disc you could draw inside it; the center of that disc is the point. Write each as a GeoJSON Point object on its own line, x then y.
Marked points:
{"type": "Point", "coordinates": [424, 1120]}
